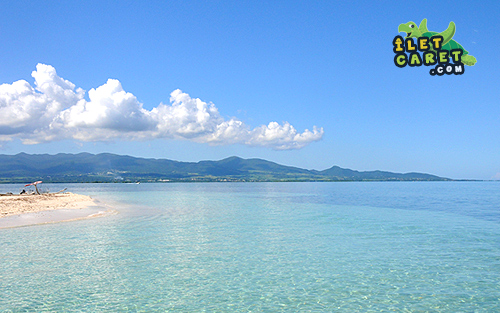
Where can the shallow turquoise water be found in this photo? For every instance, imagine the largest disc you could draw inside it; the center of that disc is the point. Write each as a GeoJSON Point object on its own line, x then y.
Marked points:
{"type": "Point", "coordinates": [264, 247]}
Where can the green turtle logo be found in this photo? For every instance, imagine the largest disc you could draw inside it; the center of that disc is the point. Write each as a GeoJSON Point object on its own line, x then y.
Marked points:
{"type": "Point", "coordinates": [448, 43]}
{"type": "Point", "coordinates": [436, 48]}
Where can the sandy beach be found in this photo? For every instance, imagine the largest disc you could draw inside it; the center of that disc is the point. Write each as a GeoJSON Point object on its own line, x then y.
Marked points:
{"type": "Point", "coordinates": [21, 204]}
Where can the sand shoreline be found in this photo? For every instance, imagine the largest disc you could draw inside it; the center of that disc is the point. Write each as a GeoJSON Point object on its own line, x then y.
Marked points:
{"type": "Point", "coordinates": [21, 204]}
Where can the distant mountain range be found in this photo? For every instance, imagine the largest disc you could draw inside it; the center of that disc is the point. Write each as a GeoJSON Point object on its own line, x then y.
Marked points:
{"type": "Point", "coordinates": [105, 167]}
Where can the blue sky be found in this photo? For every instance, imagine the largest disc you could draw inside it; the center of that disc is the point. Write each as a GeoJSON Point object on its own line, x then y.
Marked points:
{"type": "Point", "coordinates": [300, 64]}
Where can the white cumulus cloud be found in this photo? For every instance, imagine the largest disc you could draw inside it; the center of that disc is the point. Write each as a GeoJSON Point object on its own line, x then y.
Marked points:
{"type": "Point", "coordinates": [55, 110]}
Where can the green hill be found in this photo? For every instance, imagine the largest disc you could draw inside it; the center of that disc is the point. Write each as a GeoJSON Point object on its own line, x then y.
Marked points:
{"type": "Point", "coordinates": [105, 167]}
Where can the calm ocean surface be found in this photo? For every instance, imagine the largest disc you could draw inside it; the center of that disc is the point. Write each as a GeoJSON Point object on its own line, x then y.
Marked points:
{"type": "Point", "coordinates": [263, 247]}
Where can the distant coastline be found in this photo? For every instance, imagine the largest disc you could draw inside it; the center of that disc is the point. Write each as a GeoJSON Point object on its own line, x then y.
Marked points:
{"type": "Point", "coordinates": [109, 168]}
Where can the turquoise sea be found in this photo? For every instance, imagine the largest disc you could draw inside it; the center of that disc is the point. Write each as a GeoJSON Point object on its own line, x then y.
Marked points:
{"type": "Point", "coordinates": [263, 247]}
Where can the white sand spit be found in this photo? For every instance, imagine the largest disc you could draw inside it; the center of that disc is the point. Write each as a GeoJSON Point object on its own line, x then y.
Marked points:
{"type": "Point", "coordinates": [20, 204]}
